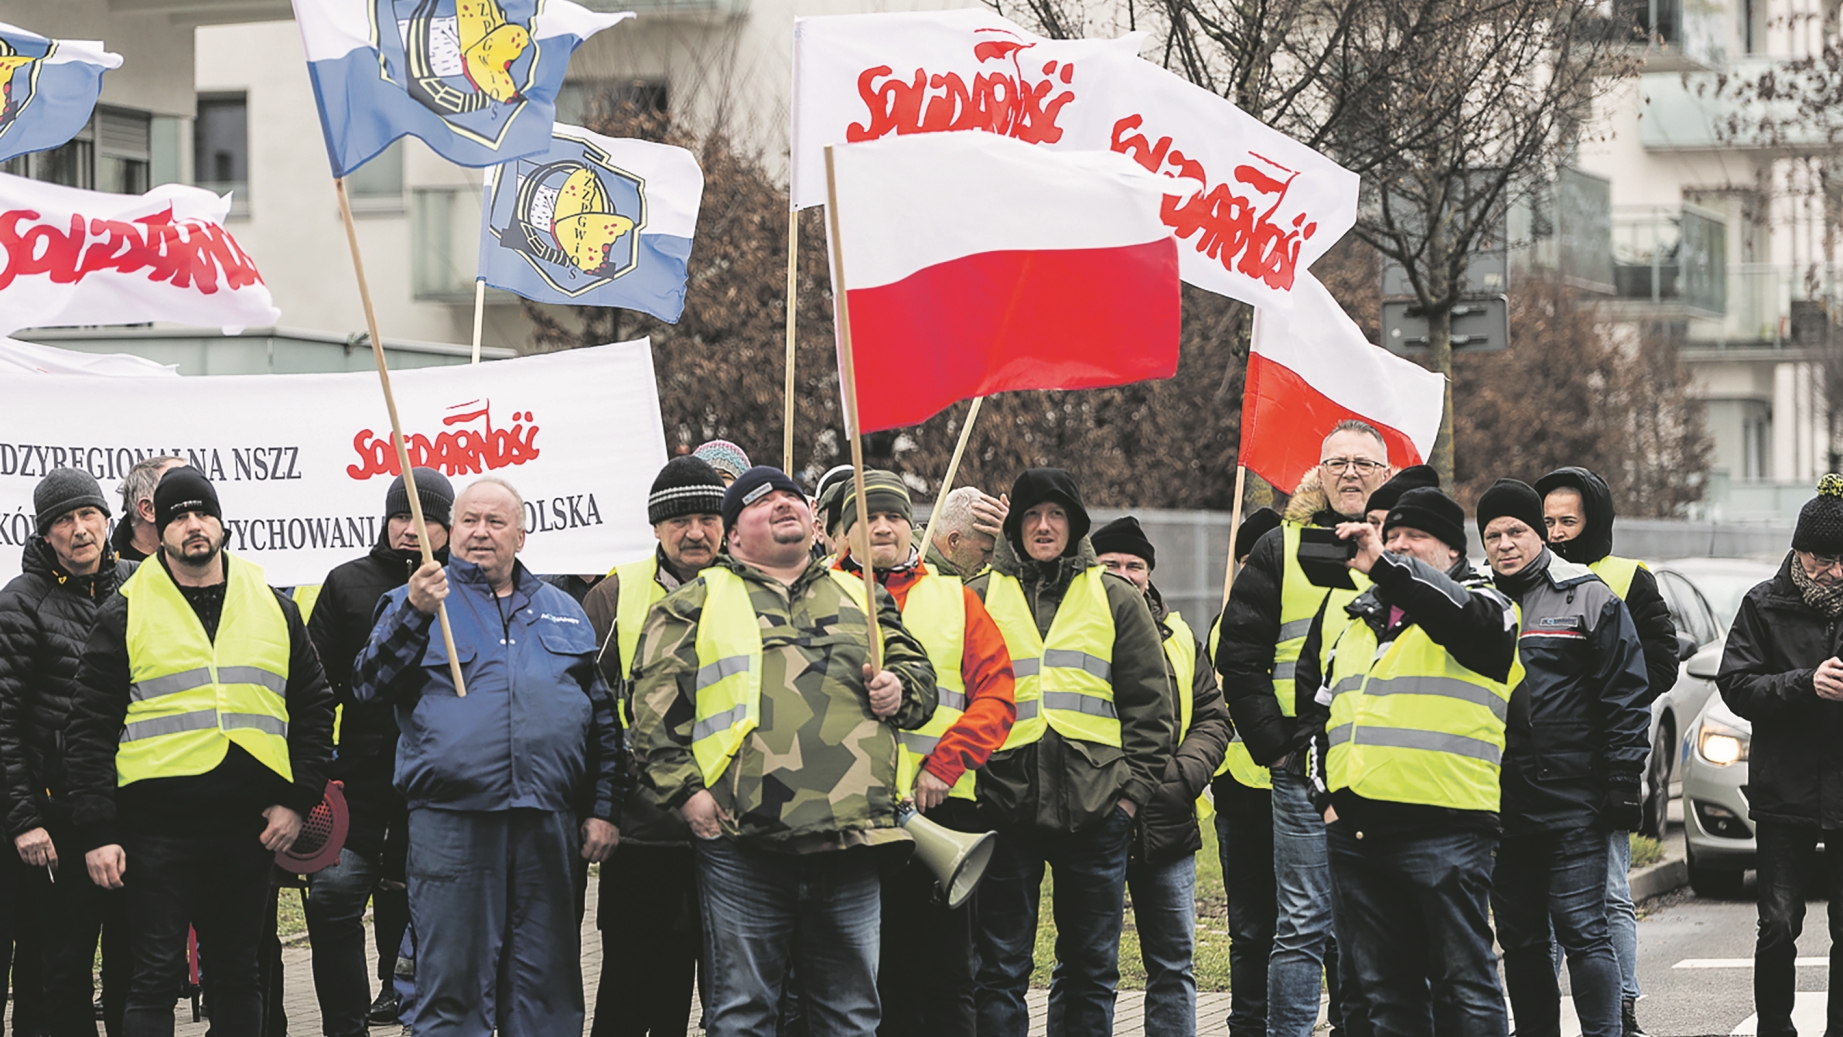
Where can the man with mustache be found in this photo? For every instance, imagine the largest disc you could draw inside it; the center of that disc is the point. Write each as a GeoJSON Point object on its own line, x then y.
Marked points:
{"type": "Point", "coordinates": [198, 740]}
{"type": "Point", "coordinates": [68, 571]}
{"type": "Point", "coordinates": [649, 883]}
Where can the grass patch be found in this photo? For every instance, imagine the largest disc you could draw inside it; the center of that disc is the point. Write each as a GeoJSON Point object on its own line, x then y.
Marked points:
{"type": "Point", "coordinates": [1646, 851]}
{"type": "Point", "coordinates": [1211, 960]}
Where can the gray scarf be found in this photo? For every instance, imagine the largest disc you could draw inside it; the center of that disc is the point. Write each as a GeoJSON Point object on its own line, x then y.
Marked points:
{"type": "Point", "coordinates": [1827, 600]}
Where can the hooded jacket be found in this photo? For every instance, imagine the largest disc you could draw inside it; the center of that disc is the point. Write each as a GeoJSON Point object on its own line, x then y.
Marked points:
{"type": "Point", "coordinates": [122, 540]}
{"type": "Point", "coordinates": [45, 618]}
{"type": "Point", "coordinates": [1251, 630]}
{"type": "Point", "coordinates": [1650, 616]}
{"type": "Point", "coordinates": [340, 626]}
{"type": "Point", "coordinates": [1167, 830]}
{"type": "Point", "coordinates": [1059, 784]}
{"type": "Point", "coordinates": [1795, 771]}
{"type": "Point", "coordinates": [1578, 721]}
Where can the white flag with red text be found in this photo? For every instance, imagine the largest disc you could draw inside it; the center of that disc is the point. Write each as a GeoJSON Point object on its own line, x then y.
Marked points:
{"type": "Point", "coordinates": [69, 256]}
{"type": "Point", "coordinates": [1312, 368]}
{"type": "Point", "coordinates": [1251, 207]}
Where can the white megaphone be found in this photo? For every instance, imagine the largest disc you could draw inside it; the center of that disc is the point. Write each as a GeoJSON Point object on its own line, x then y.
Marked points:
{"type": "Point", "coordinates": [958, 859]}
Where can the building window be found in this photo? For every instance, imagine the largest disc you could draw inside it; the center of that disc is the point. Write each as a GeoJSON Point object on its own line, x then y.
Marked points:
{"type": "Point", "coordinates": [377, 186]}
{"type": "Point", "coordinates": [221, 144]}
{"type": "Point", "coordinates": [113, 153]}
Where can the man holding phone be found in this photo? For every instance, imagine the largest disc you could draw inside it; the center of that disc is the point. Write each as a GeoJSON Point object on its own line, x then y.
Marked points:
{"type": "Point", "coordinates": [1263, 629]}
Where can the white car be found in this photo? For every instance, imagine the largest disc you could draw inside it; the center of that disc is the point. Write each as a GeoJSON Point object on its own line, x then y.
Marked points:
{"type": "Point", "coordinates": [1703, 595]}
{"type": "Point", "coordinates": [1717, 834]}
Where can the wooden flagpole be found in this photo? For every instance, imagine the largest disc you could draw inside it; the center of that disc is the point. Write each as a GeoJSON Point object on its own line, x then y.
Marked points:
{"type": "Point", "coordinates": [1228, 572]}
{"type": "Point", "coordinates": [793, 285]}
{"type": "Point", "coordinates": [847, 373]}
{"type": "Point", "coordinates": [479, 310]}
{"type": "Point", "coordinates": [953, 468]}
{"type": "Point", "coordinates": [396, 427]}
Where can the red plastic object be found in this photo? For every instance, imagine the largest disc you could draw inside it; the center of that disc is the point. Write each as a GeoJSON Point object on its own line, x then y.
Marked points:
{"type": "Point", "coordinates": [323, 835]}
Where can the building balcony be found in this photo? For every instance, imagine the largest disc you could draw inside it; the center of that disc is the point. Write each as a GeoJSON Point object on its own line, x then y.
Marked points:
{"type": "Point", "coordinates": [1669, 263]}
{"type": "Point", "coordinates": [1776, 306]}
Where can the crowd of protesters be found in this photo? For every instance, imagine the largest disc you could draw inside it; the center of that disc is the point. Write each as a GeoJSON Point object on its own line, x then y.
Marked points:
{"type": "Point", "coordinates": [1410, 763]}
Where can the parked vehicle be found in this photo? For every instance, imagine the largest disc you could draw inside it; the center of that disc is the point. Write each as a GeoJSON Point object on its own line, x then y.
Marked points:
{"type": "Point", "coordinates": [1718, 837]}
{"type": "Point", "coordinates": [1703, 595]}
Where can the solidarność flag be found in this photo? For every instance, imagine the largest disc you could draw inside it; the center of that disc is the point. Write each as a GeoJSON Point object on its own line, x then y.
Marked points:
{"type": "Point", "coordinates": [1312, 368]}
{"type": "Point", "coordinates": [976, 264]}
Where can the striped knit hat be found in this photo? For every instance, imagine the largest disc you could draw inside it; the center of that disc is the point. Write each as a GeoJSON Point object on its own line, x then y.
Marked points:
{"type": "Point", "coordinates": [685, 486]}
{"type": "Point", "coordinates": [723, 455]}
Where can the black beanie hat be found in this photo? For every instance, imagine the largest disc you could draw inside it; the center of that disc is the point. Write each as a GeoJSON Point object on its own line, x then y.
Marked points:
{"type": "Point", "coordinates": [434, 491]}
{"type": "Point", "coordinates": [1125, 536]}
{"type": "Point", "coordinates": [1517, 499]}
{"type": "Point", "coordinates": [687, 485]}
{"type": "Point", "coordinates": [883, 491]}
{"type": "Point", "coordinates": [181, 490]}
{"type": "Point", "coordinates": [752, 486]}
{"type": "Point", "coordinates": [1252, 529]}
{"type": "Point", "coordinates": [1430, 511]}
{"type": "Point", "coordinates": [1410, 478]}
{"type": "Point", "coordinates": [1033, 487]}
{"type": "Point", "coordinates": [64, 490]}
{"type": "Point", "coordinates": [1820, 521]}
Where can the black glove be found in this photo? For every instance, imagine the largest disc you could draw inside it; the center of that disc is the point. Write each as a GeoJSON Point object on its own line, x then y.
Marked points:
{"type": "Point", "coordinates": [1621, 807]}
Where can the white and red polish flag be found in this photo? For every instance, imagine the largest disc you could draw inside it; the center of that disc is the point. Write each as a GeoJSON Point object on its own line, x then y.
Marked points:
{"type": "Point", "coordinates": [1312, 368]}
{"type": "Point", "coordinates": [976, 264]}
{"type": "Point", "coordinates": [69, 256]}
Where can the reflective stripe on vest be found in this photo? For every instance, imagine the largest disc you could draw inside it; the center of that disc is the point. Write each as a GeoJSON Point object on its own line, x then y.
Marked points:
{"type": "Point", "coordinates": [190, 696]}
{"type": "Point", "coordinates": [1238, 762]}
{"type": "Point", "coordinates": [729, 677]}
{"type": "Point", "coordinates": [1618, 573]}
{"type": "Point", "coordinates": [638, 591]}
{"type": "Point", "coordinates": [934, 613]}
{"type": "Point", "coordinates": [1417, 727]}
{"type": "Point", "coordinates": [1064, 681]}
{"type": "Point", "coordinates": [1299, 602]}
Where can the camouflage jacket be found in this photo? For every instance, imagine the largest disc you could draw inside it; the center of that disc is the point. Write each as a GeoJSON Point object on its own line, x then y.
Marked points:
{"type": "Point", "coordinates": [820, 772]}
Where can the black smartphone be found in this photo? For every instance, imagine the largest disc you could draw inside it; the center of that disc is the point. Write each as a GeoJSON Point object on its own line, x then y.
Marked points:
{"type": "Point", "coordinates": [1322, 557]}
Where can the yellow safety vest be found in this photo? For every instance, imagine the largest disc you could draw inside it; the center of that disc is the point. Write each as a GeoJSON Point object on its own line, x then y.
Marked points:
{"type": "Point", "coordinates": [191, 696]}
{"type": "Point", "coordinates": [1618, 573]}
{"type": "Point", "coordinates": [934, 613]}
{"type": "Point", "coordinates": [1064, 681]}
{"type": "Point", "coordinates": [638, 591]}
{"type": "Point", "coordinates": [1414, 726]}
{"type": "Point", "coordinates": [1181, 653]}
{"type": "Point", "coordinates": [729, 677]}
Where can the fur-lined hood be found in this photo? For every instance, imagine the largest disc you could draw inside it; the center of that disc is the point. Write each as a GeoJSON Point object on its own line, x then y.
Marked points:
{"type": "Point", "coordinates": [1308, 500]}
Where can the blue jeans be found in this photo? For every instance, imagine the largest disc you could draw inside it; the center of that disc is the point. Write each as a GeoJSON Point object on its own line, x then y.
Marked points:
{"type": "Point", "coordinates": [1245, 843]}
{"type": "Point", "coordinates": [493, 906]}
{"type": "Point", "coordinates": [819, 913]}
{"type": "Point", "coordinates": [1621, 913]}
{"type": "Point", "coordinates": [1165, 913]}
{"type": "Point", "coordinates": [1412, 911]}
{"type": "Point", "coordinates": [336, 927]}
{"type": "Point", "coordinates": [1302, 923]}
{"type": "Point", "coordinates": [1559, 876]}
{"type": "Point", "coordinates": [1089, 901]}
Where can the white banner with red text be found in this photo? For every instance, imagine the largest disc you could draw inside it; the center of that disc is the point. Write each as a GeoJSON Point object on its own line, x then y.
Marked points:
{"type": "Point", "coordinates": [1250, 206]}
{"type": "Point", "coordinates": [301, 462]}
{"type": "Point", "coordinates": [69, 256]}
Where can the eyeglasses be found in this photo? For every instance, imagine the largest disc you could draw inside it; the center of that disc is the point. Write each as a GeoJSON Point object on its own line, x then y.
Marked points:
{"type": "Point", "coordinates": [1825, 563]}
{"type": "Point", "coordinates": [1362, 465]}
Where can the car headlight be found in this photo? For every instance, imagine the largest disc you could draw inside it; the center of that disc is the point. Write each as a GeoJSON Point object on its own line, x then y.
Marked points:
{"type": "Point", "coordinates": [1722, 745]}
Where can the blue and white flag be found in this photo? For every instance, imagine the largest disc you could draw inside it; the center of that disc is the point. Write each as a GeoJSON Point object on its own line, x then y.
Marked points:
{"type": "Point", "coordinates": [47, 88]}
{"type": "Point", "coordinates": [476, 80]}
{"type": "Point", "coordinates": [595, 221]}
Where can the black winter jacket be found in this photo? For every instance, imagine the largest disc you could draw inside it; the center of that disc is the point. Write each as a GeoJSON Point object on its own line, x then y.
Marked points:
{"type": "Point", "coordinates": [1251, 630]}
{"type": "Point", "coordinates": [366, 755]}
{"type": "Point", "coordinates": [1579, 720]}
{"type": "Point", "coordinates": [229, 799]}
{"type": "Point", "coordinates": [1795, 767]}
{"type": "Point", "coordinates": [45, 618]}
{"type": "Point", "coordinates": [1167, 829]}
{"type": "Point", "coordinates": [1650, 616]}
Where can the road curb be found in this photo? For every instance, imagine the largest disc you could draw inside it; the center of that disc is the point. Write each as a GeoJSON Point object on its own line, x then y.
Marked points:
{"type": "Point", "coordinates": [1669, 874]}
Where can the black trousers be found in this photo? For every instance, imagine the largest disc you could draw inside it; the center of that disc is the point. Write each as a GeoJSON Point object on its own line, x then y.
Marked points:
{"type": "Point", "coordinates": [1244, 840]}
{"type": "Point", "coordinates": [219, 885]}
{"type": "Point", "coordinates": [1790, 870]}
{"type": "Point", "coordinates": [928, 967]}
{"type": "Point", "coordinates": [22, 939]}
{"type": "Point", "coordinates": [73, 912]}
{"type": "Point", "coordinates": [652, 934]}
